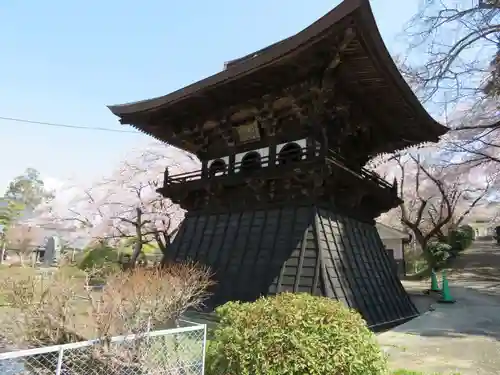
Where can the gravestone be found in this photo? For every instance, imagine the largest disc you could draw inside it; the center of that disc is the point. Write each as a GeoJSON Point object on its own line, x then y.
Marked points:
{"type": "Point", "coordinates": [52, 251]}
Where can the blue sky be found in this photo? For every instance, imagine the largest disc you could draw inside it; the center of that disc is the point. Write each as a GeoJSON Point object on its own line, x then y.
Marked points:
{"type": "Point", "coordinates": [64, 61]}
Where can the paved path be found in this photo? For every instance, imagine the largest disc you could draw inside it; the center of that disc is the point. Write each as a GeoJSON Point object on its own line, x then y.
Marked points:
{"type": "Point", "coordinates": [460, 338]}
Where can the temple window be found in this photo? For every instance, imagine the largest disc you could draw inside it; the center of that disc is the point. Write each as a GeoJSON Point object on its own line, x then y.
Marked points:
{"type": "Point", "coordinates": [290, 153]}
{"type": "Point", "coordinates": [217, 168]}
{"type": "Point", "coordinates": [251, 161]}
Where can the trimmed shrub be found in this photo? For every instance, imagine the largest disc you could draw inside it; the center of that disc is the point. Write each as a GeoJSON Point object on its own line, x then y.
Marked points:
{"type": "Point", "coordinates": [471, 233]}
{"type": "Point", "coordinates": [102, 261]}
{"type": "Point", "coordinates": [457, 239]}
{"type": "Point", "coordinates": [292, 334]}
{"type": "Point", "coordinates": [461, 238]}
{"type": "Point", "coordinates": [440, 252]}
{"type": "Point", "coordinates": [98, 257]}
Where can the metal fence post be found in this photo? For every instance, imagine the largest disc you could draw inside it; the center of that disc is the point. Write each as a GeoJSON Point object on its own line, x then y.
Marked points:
{"type": "Point", "coordinates": [59, 361]}
{"type": "Point", "coordinates": [148, 330]}
{"type": "Point", "coordinates": [204, 348]}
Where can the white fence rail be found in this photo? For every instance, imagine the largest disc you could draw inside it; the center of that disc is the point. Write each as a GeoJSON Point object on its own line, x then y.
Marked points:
{"type": "Point", "coordinates": [178, 351]}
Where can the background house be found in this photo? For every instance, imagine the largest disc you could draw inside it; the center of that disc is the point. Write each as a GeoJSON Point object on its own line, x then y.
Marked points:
{"type": "Point", "coordinates": [394, 240]}
{"type": "Point", "coordinates": [483, 228]}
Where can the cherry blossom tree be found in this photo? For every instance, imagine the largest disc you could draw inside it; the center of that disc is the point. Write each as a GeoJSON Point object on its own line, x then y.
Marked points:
{"type": "Point", "coordinates": [453, 60]}
{"type": "Point", "coordinates": [436, 199]}
{"type": "Point", "coordinates": [452, 65]}
{"type": "Point", "coordinates": [125, 204]}
{"type": "Point", "coordinates": [23, 239]}
{"type": "Point", "coordinates": [476, 142]}
{"type": "Point", "coordinates": [454, 48]}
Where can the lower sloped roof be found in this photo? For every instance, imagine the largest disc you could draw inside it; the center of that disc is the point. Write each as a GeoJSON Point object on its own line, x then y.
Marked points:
{"type": "Point", "coordinates": [388, 232]}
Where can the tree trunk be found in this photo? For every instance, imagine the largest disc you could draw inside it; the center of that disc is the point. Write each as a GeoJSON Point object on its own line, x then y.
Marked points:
{"type": "Point", "coordinates": [2, 251]}
{"type": "Point", "coordinates": [423, 242]}
{"type": "Point", "coordinates": [138, 234]}
{"type": "Point", "coordinates": [441, 237]}
{"type": "Point", "coordinates": [431, 261]}
{"type": "Point", "coordinates": [163, 245]}
{"type": "Point", "coordinates": [136, 253]}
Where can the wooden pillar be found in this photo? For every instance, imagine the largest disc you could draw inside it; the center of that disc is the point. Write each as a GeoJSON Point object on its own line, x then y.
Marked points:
{"type": "Point", "coordinates": [232, 161]}
{"type": "Point", "coordinates": [311, 143]}
{"type": "Point", "coordinates": [272, 153]}
{"type": "Point", "coordinates": [204, 168]}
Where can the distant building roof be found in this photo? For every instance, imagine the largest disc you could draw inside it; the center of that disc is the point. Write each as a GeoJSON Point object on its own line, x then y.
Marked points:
{"type": "Point", "coordinates": [389, 233]}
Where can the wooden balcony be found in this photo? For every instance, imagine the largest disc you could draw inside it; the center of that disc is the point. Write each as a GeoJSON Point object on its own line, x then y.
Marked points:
{"type": "Point", "coordinates": [267, 167]}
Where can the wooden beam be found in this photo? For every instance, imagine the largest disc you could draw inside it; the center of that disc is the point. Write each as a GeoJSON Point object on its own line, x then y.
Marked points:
{"type": "Point", "coordinates": [327, 78]}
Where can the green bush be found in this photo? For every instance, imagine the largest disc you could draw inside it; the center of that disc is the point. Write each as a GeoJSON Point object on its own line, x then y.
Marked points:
{"type": "Point", "coordinates": [461, 238]}
{"type": "Point", "coordinates": [457, 239]}
{"type": "Point", "coordinates": [292, 334]}
{"type": "Point", "coordinates": [102, 260]}
{"type": "Point", "coordinates": [99, 256]}
{"type": "Point", "coordinates": [440, 252]}
{"type": "Point", "coordinates": [471, 233]}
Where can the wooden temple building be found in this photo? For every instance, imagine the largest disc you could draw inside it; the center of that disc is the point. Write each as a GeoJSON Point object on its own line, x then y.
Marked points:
{"type": "Point", "coordinates": [282, 201]}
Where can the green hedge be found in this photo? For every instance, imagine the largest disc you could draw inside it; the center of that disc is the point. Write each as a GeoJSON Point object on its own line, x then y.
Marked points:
{"type": "Point", "coordinates": [99, 256]}
{"type": "Point", "coordinates": [457, 241]}
{"type": "Point", "coordinates": [470, 232]}
{"type": "Point", "coordinates": [440, 252]}
{"type": "Point", "coordinates": [293, 334]}
{"type": "Point", "coordinates": [461, 238]}
{"type": "Point", "coordinates": [103, 258]}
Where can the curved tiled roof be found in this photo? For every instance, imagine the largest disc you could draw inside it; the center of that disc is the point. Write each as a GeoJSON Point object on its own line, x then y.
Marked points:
{"type": "Point", "coordinates": [239, 70]}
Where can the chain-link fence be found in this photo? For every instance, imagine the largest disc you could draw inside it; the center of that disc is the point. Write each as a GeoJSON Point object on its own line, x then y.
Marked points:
{"type": "Point", "coordinates": [170, 352]}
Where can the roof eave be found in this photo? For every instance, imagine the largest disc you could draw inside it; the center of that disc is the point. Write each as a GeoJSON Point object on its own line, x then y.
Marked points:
{"type": "Point", "coordinates": [267, 56]}
{"type": "Point", "coordinates": [285, 49]}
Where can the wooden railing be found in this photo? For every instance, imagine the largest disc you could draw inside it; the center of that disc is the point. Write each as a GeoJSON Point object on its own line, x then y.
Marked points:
{"type": "Point", "coordinates": [341, 162]}
{"type": "Point", "coordinates": [265, 161]}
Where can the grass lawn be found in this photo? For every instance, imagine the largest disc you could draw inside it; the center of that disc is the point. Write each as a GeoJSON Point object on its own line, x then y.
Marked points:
{"type": "Point", "coordinates": [14, 273]}
{"type": "Point", "coordinates": [84, 326]}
